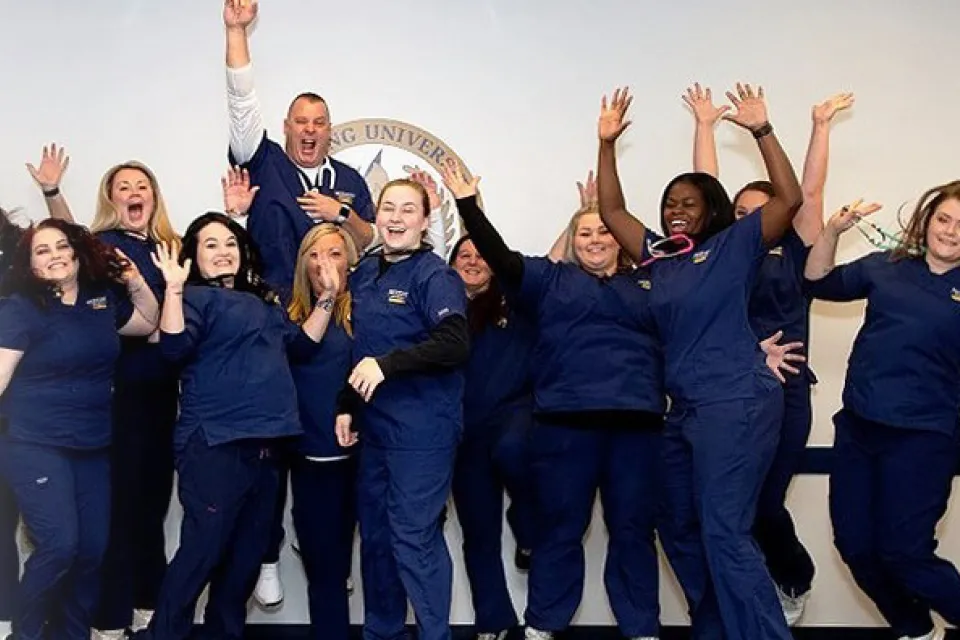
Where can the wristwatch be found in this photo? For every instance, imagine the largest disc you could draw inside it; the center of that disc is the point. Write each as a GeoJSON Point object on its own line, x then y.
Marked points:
{"type": "Point", "coordinates": [343, 215]}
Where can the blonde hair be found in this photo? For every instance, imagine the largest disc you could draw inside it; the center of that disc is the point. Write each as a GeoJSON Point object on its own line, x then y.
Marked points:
{"type": "Point", "coordinates": [301, 303]}
{"type": "Point", "coordinates": [107, 217]}
{"type": "Point", "coordinates": [570, 254]}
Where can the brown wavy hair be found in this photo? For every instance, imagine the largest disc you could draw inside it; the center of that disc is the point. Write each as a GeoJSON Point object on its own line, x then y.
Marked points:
{"type": "Point", "coordinates": [913, 243]}
{"type": "Point", "coordinates": [99, 265]}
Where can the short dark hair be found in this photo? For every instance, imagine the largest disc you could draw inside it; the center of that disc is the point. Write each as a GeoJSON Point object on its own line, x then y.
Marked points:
{"type": "Point", "coordinates": [718, 208]}
{"type": "Point", "coordinates": [248, 276]}
{"type": "Point", "coordinates": [310, 97]}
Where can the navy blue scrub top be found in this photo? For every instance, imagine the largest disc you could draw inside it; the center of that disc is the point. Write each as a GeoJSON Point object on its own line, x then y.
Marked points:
{"type": "Point", "coordinates": [780, 302]}
{"type": "Point", "coordinates": [235, 378]}
{"type": "Point", "coordinates": [595, 350]}
{"type": "Point", "coordinates": [397, 310]}
{"type": "Point", "coordinates": [498, 373]}
{"type": "Point", "coordinates": [319, 379]}
{"type": "Point", "coordinates": [699, 306]}
{"type": "Point", "coordinates": [61, 391]}
{"type": "Point", "coordinates": [276, 221]}
{"type": "Point", "coordinates": [140, 359]}
{"type": "Point", "coordinates": [904, 370]}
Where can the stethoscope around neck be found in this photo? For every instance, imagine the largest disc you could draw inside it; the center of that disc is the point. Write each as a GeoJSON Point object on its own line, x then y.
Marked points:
{"type": "Point", "coordinates": [681, 242]}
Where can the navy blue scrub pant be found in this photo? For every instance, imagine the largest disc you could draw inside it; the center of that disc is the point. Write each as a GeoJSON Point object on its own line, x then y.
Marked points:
{"type": "Point", "coordinates": [228, 493]}
{"type": "Point", "coordinates": [888, 489]}
{"type": "Point", "coordinates": [401, 493]}
{"type": "Point", "coordinates": [324, 515]}
{"type": "Point", "coordinates": [277, 533]}
{"type": "Point", "coordinates": [64, 498]}
{"type": "Point", "coordinates": [788, 561]}
{"type": "Point", "coordinates": [144, 412]}
{"type": "Point", "coordinates": [9, 554]}
{"type": "Point", "coordinates": [569, 465]}
{"type": "Point", "coordinates": [715, 458]}
{"type": "Point", "coordinates": [491, 458]}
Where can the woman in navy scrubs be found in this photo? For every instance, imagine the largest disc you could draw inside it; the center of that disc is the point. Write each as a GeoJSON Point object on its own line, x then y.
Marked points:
{"type": "Point", "coordinates": [897, 439]}
{"type": "Point", "coordinates": [779, 302]}
{"type": "Point", "coordinates": [723, 427]}
{"type": "Point", "coordinates": [10, 235]}
{"type": "Point", "coordinates": [131, 215]}
{"type": "Point", "coordinates": [599, 402]}
{"type": "Point", "coordinates": [231, 339]}
{"type": "Point", "coordinates": [322, 473]}
{"type": "Point", "coordinates": [58, 349]}
{"type": "Point", "coordinates": [410, 344]}
{"type": "Point", "coordinates": [497, 415]}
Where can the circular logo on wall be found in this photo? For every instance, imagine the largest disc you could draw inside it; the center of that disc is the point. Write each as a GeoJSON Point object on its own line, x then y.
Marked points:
{"type": "Point", "coordinates": [384, 150]}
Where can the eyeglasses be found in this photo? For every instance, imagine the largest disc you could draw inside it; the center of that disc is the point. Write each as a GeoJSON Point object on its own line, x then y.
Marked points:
{"type": "Point", "coordinates": [878, 237]}
{"type": "Point", "coordinates": [681, 242]}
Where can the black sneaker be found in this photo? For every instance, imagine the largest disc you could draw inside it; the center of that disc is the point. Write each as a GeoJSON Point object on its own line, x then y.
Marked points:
{"type": "Point", "coordinates": [522, 559]}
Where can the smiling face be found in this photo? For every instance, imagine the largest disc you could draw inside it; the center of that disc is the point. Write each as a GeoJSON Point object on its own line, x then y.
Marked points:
{"type": "Point", "coordinates": [943, 233]}
{"type": "Point", "coordinates": [401, 218]}
{"type": "Point", "coordinates": [131, 192]}
{"type": "Point", "coordinates": [52, 258]}
{"type": "Point", "coordinates": [307, 131]}
{"type": "Point", "coordinates": [472, 268]}
{"type": "Point", "coordinates": [218, 252]}
{"type": "Point", "coordinates": [684, 209]}
{"type": "Point", "coordinates": [594, 246]}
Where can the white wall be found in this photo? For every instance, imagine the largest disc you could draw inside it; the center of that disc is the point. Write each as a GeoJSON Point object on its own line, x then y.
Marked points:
{"type": "Point", "coordinates": [514, 88]}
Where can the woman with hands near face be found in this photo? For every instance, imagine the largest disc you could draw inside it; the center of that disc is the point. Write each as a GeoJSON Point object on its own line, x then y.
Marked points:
{"type": "Point", "coordinates": [596, 427]}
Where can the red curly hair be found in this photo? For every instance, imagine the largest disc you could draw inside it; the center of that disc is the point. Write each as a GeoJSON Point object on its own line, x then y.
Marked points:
{"type": "Point", "coordinates": [99, 265]}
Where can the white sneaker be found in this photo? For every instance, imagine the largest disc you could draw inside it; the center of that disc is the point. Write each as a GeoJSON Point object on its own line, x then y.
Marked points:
{"type": "Point", "coordinates": [111, 634]}
{"type": "Point", "coordinates": [935, 634]}
{"type": "Point", "coordinates": [269, 591]}
{"type": "Point", "coordinates": [492, 636]}
{"type": "Point", "coordinates": [141, 619]}
{"type": "Point", "coordinates": [529, 633]}
{"type": "Point", "coordinates": [792, 606]}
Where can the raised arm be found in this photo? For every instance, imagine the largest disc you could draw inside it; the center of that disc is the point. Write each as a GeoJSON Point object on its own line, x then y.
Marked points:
{"type": "Point", "coordinates": [246, 118]}
{"type": "Point", "coordinates": [809, 220]}
{"type": "Point", "coordinates": [628, 230]}
{"type": "Point", "coordinates": [823, 254]}
{"type": "Point", "coordinates": [146, 310]}
{"type": "Point", "coordinates": [175, 341]}
{"type": "Point", "coordinates": [53, 164]}
{"type": "Point", "coordinates": [706, 116]}
{"type": "Point", "coordinates": [781, 209]}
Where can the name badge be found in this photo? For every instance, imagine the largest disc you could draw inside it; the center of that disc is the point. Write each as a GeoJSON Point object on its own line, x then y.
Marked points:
{"type": "Point", "coordinates": [97, 304]}
{"type": "Point", "coordinates": [396, 296]}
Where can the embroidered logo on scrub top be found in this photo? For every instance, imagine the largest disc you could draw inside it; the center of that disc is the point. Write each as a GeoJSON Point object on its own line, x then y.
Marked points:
{"type": "Point", "coordinates": [955, 295]}
{"type": "Point", "coordinates": [700, 256]}
{"type": "Point", "coordinates": [396, 296]}
{"type": "Point", "coordinates": [645, 284]}
{"type": "Point", "coordinates": [97, 304]}
{"type": "Point", "coordinates": [443, 312]}
{"type": "Point", "coordinates": [776, 251]}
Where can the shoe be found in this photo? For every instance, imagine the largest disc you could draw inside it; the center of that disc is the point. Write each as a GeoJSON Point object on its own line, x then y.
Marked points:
{"type": "Point", "coordinates": [269, 590]}
{"type": "Point", "coordinates": [792, 606]}
{"type": "Point", "coordinates": [492, 636]}
{"type": "Point", "coordinates": [521, 558]}
{"type": "Point", "coordinates": [110, 634]}
{"type": "Point", "coordinates": [141, 619]}
{"type": "Point", "coordinates": [529, 633]}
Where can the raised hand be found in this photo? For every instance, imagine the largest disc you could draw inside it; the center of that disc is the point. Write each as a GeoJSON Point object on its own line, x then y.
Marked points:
{"type": "Point", "coordinates": [346, 436]}
{"type": "Point", "coordinates": [239, 14]}
{"type": "Point", "coordinates": [700, 102]}
{"type": "Point", "coordinates": [174, 273]}
{"type": "Point", "coordinates": [130, 276]}
{"type": "Point", "coordinates": [319, 206]}
{"type": "Point", "coordinates": [238, 195]}
{"type": "Point", "coordinates": [329, 278]}
{"type": "Point", "coordinates": [751, 108]}
{"type": "Point", "coordinates": [823, 113]}
{"type": "Point", "coordinates": [53, 164]}
{"type": "Point", "coordinates": [426, 180]}
{"type": "Point", "coordinates": [847, 216]}
{"type": "Point", "coordinates": [779, 356]}
{"type": "Point", "coordinates": [612, 117]}
{"type": "Point", "coordinates": [588, 191]}
{"type": "Point", "coordinates": [455, 181]}
{"type": "Point", "coordinates": [366, 377]}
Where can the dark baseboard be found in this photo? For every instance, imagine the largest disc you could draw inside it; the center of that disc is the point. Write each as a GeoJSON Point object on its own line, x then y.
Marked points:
{"type": "Point", "coordinates": [302, 632]}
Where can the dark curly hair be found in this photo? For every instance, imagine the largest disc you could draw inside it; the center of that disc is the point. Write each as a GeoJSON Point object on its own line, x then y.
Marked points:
{"type": "Point", "coordinates": [99, 264]}
{"type": "Point", "coordinates": [718, 209]}
{"type": "Point", "coordinates": [10, 234]}
{"type": "Point", "coordinates": [248, 276]}
{"type": "Point", "coordinates": [488, 307]}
